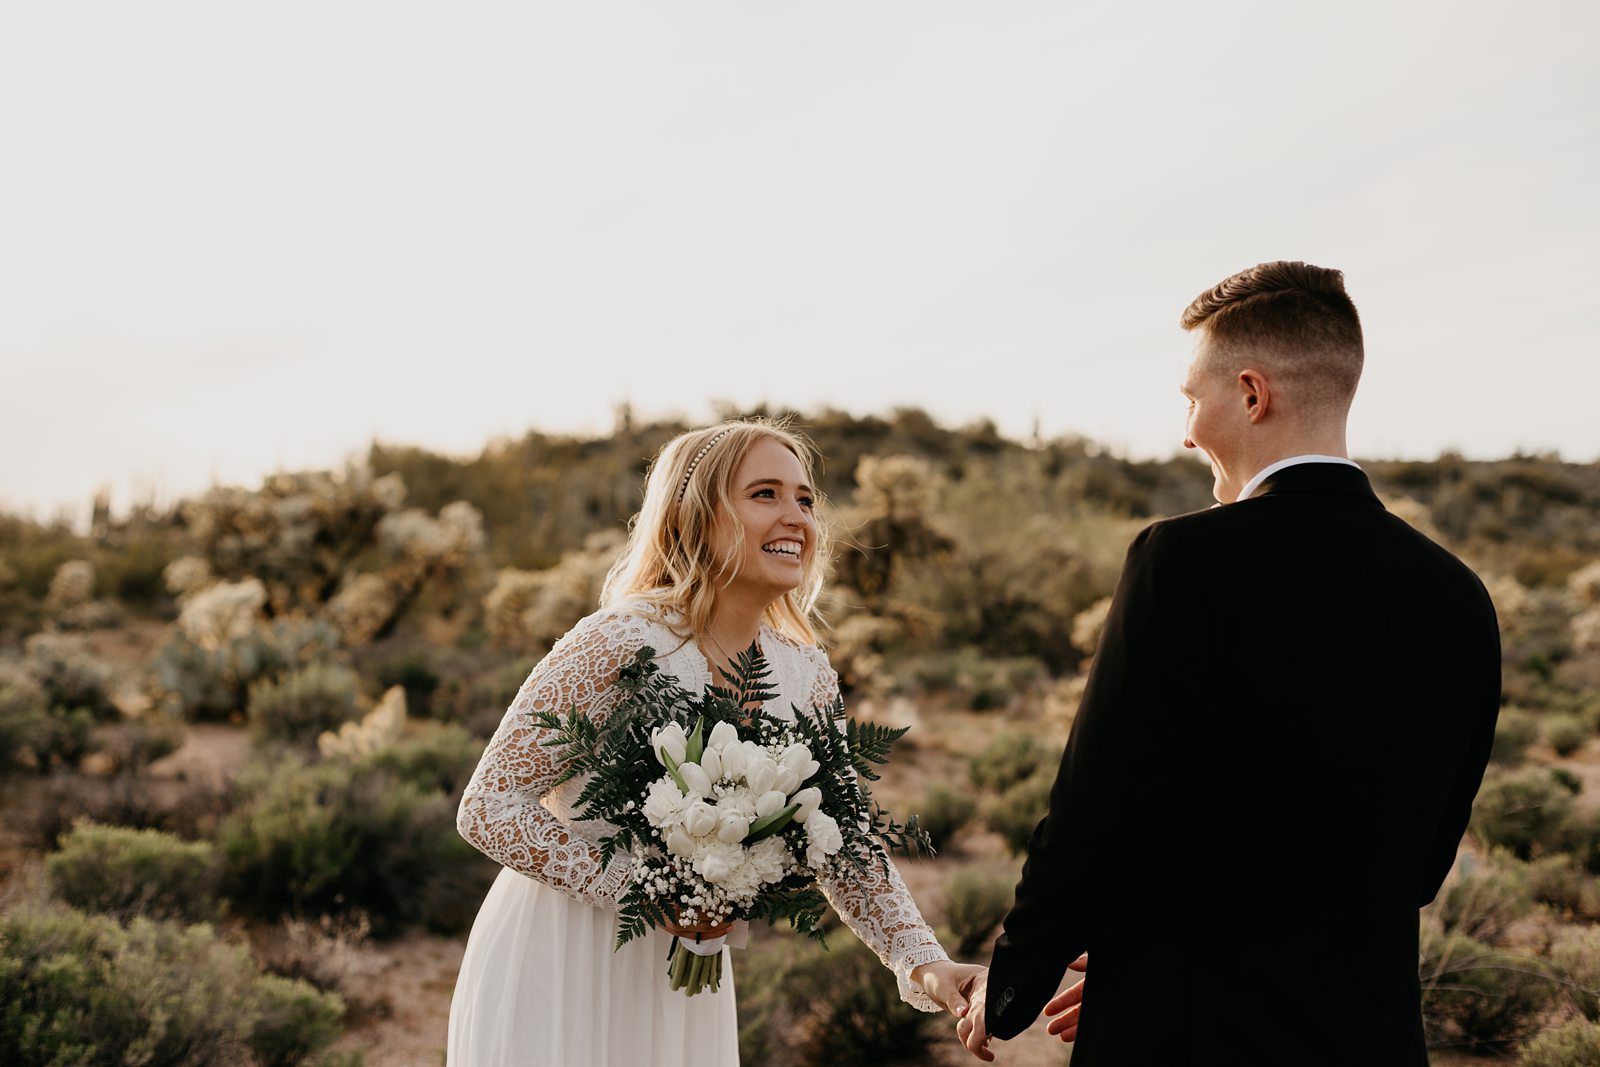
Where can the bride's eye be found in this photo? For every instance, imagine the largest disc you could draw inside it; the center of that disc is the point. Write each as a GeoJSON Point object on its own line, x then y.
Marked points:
{"type": "Point", "coordinates": [808, 502]}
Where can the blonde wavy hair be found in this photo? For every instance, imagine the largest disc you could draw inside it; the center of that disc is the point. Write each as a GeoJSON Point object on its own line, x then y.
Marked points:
{"type": "Point", "coordinates": [671, 562]}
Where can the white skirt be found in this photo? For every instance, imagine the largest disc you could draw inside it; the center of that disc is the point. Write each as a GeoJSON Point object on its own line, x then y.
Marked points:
{"type": "Point", "coordinates": [541, 985]}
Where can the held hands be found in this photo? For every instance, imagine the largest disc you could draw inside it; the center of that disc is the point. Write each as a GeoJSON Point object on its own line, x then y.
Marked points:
{"type": "Point", "coordinates": [946, 983]}
{"type": "Point", "coordinates": [1068, 1004]}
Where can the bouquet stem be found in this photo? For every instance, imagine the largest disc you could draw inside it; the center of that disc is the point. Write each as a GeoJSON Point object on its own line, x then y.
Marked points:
{"type": "Point", "coordinates": [691, 972]}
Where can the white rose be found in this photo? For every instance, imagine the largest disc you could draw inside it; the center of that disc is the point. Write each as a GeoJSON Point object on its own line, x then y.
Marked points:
{"type": "Point", "coordinates": [809, 800]}
{"type": "Point", "coordinates": [696, 778]}
{"type": "Point", "coordinates": [699, 818]}
{"type": "Point", "coordinates": [663, 805]}
{"type": "Point", "coordinates": [732, 827]}
{"type": "Point", "coordinates": [672, 738]}
{"type": "Point", "coordinates": [822, 839]}
{"type": "Point", "coordinates": [769, 802]}
{"type": "Point", "coordinates": [723, 735]}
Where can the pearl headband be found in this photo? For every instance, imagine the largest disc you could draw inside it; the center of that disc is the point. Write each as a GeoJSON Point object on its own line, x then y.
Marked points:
{"type": "Point", "coordinates": [695, 462]}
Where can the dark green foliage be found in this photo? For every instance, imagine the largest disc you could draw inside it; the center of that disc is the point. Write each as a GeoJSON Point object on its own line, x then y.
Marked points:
{"type": "Point", "coordinates": [301, 704]}
{"type": "Point", "coordinates": [1476, 996]}
{"type": "Point", "coordinates": [1008, 759]}
{"type": "Point", "coordinates": [125, 873]}
{"type": "Point", "coordinates": [80, 989]}
{"type": "Point", "coordinates": [1525, 811]}
{"type": "Point", "coordinates": [333, 838]}
{"type": "Point", "coordinates": [414, 671]}
{"type": "Point", "coordinates": [976, 898]}
{"type": "Point", "coordinates": [1575, 1044]}
{"type": "Point", "coordinates": [1015, 813]}
{"type": "Point", "coordinates": [945, 811]}
{"type": "Point", "coordinates": [442, 759]}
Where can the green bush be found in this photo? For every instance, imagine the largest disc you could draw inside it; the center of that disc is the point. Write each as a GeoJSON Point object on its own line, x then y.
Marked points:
{"type": "Point", "coordinates": [944, 811]}
{"type": "Point", "coordinates": [1560, 882]}
{"type": "Point", "coordinates": [1514, 731]}
{"type": "Point", "coordinates": [441, 758]}
{"type": "Point", "coordinates": [81, 989]}
{"type": "Point", "coordinates": [295, 1021]}
{"type": "Point", "coordinates": [1484, 902]}
{"type": "Point", "coordinates": [1475, 996]}
{"type": "Point", "coordinates": [70, 674]}
{"type": "Point", "coordinates": [334, 838]}
{"type": "Point", "coordinates": [214, 683]}
{"type": "Point", "coordinates": [1016, 812]}
{"type": "Point", "coordinates": [976, 898]}
{"type": "Point", "coordinates": [1007, 760]}
{"type": "Point", "coordinates": [1525, 811]}
{"type": "Point", "coordinates": [23, 707]}
{"type": "Point", "coordinates": [1565, 733]}
{"type": "Point", "coordinates": [1577, 1044]}
{"type": "Point", "coordinates": [1575, 957]}
{"type": "Point", "coordinates": [125, 873]}
{"type": "Point", "coordinates": [303, 703]}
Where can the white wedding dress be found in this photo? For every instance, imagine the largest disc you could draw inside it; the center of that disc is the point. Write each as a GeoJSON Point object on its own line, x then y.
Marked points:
{"type": "Point", "coordinates": [540, 984]}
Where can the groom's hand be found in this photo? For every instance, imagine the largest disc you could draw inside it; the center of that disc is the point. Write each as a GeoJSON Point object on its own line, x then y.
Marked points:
{"type": "Point", "coordinates": [1068, 1005]}
{"type": "Point", "coordinates": [971, 1029]}
{"type": "Point", "coordinates": [946, 983]}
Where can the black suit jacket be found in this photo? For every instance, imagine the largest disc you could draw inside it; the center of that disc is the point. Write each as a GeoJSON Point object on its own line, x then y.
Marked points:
{"type": "Point", "coordinates": [1285, 724]}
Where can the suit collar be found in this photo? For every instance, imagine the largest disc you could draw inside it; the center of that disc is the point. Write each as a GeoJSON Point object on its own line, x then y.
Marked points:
{"type": "Point", "coordinates": [1328, 479]}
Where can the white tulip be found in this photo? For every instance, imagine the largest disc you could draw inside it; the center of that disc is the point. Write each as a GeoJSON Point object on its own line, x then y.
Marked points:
{"type": "Point", "coordinates": [695, 777]}
{"type": "Point", "coordinates": [796, 756]}
{"type": "Point", "coordinates": [761, 773]}
{"type": "Point", "coordinates": [699, 818]}
{"type": "Point", "coordinates": [733, 761]}
{"type": "Point", "coordinates": [723, 735]}
{"type": "Point", "coordinates": [809, 800]}
{"type": "Point", "coordinates": [769, 802]}
{"type": "Point", "coordinates": [788, 780]}
{"type": "Point", "coordinates": [680, 843]}
{"type": "Point", "coordinates": [672, 738]}
{"type": "Point", "coordinates": [711, 763]}
{"type": "Point", "coordinates": [732, 827]}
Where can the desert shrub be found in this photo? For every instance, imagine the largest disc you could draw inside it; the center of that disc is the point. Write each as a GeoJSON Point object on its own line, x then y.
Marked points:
{"type": "Point", "coordinates": [136, 743]}
{"type": "Point", "coordinates": [1577, 1044]}
{"type": "Point", "coordinates": [1476, 996]}
{"type": "Point", "coordinates": [132, 571]}
{"type": "Point", "coordinates": [334, 838]}
{"type": "Point", "coordinates": [1484, 902]}
{"type": "Point", "coordinates": [23, 707]}
{"type": "Point", "coordinates": [1525, 811]}
{"type": "Point", "coordinates": [1565, 733]}
{"type": "Point", "coordinates": [944, 811]}
{"type": "Point", "coordinates": [125, 873]}
{"type": "Point", "coordinates": [295, 1021]}
{"type": "Point", "coordinates": [799, 1004]}
{"type": "Point", "coordinates": [1007, 760]}
{"type": "Point", "coordinates": [330, 953]}
{"type": "Point", "coordinates": [1015, 813]}
{"type": "Point", "coordinates": [1580, 837]}
{"type": "Point", "coordinates": [188, 809]}
{"type": "Point", "coordinates": [1560, 882]}
{"type": "Point", "coordinates": [413, 671]}
{"type": "Point", "coordinates": [211, 678]}
{"type": "Point", "coordinates": [81, 989]}
{"type": "Point", "coordinates": [976, 898]}
{"type": "Point", "coordinates": [303, 703]}
{"type": "Point", "coordinates": [1575, 957]}
{"type": "Point", "coordinates": [70, 675]}
{"type": "Point", "coordinates": [442, 758]}
{"type": "Point", "coordinates": [1514, 731]}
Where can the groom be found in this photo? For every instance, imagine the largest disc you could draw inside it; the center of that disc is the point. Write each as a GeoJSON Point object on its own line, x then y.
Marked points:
{"type": "Point", "coordinates": [1276, 754]}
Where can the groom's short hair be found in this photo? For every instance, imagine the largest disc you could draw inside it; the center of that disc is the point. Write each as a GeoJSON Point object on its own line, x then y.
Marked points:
{"type": "Point", "coordinates": [1291, 319]}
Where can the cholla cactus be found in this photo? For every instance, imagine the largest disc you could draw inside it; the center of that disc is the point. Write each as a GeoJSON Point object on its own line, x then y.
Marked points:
{"type": "Point", "coordinates": [1585, 584]}
{"type": "Point", "coordinates": [72, 586]}
{"type": "Point", "coordinates": [1586, 631]}
{"type": "Point", "coordinates": [896, 487]}
{"type": "Point", "coordinates": [378, 729]}
{"type": "Point", "coordinates": [362, 608]}
{"type": "Point", "coordinates": [1088, 624]}
{"type": "Point", "coordinates": [418, 545]}
{"type": "Point", "coordinates": [69, 672]}
{"type": "Point", "coordinates": [1511, 599]}
{"type": "Point", "coordinates": [890, 518]}
{"type": "Point", "coordinates": [186, 576]}
{"type": "Point", "coordinates": [537, 607]}
{"type": "Point", "coordinates": [222, 613]}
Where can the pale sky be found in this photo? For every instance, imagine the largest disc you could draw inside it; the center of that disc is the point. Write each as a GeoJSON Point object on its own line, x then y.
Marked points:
{"type": "Point", "coordinates": [238, 237]}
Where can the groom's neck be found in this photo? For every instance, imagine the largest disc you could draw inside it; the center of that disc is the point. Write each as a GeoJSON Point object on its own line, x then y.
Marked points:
{"type": "Point", "coordinates": [1263, 453]}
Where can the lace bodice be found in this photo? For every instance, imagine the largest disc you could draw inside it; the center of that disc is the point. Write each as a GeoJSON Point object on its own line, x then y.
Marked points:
{"type": "Point", "coordinates": [513, 811]}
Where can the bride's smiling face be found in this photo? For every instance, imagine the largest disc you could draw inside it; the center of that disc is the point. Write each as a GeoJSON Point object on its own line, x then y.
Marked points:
{"type": "Point", "coordinates": [776, 508]}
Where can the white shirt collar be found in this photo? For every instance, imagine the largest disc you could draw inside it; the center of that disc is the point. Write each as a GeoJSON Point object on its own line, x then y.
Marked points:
{"type": "Point", "coordinates": [1273, 468]}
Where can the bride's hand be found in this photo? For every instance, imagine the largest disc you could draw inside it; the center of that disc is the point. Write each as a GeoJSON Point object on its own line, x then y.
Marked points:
{"type": "Point", "coordinates": [947, 983]}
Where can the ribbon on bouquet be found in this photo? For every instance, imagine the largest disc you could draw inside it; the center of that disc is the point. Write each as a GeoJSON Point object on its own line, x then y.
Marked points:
{"type": "Point", "coordinates": [738, 937]}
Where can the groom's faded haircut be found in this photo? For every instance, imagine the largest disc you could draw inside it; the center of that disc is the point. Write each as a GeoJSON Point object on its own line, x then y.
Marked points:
{"type": "Point", "coordinates": [1292, 320]}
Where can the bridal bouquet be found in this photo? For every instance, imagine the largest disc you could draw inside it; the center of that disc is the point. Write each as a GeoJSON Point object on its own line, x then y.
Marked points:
{"type": "Point", "coordinates": [730, 812]}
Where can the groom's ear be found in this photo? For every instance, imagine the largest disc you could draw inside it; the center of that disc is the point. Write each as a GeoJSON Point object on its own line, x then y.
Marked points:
{"type": "Point", "coordinates": [1255, 392]}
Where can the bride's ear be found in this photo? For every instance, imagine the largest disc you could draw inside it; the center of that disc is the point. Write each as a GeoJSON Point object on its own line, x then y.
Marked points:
{"type": "Point", "coordinates": [1255, 393]}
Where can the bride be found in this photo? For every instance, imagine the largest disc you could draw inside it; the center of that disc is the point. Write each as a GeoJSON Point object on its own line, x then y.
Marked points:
{"type": "Point", "coordinates": [726, 551]}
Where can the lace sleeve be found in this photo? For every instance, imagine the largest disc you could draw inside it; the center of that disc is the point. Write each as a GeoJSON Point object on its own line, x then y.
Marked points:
{"type": "Point", "coordinates": [876, 904]}
{"type": "Point", "coordinates": [501, 814]}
